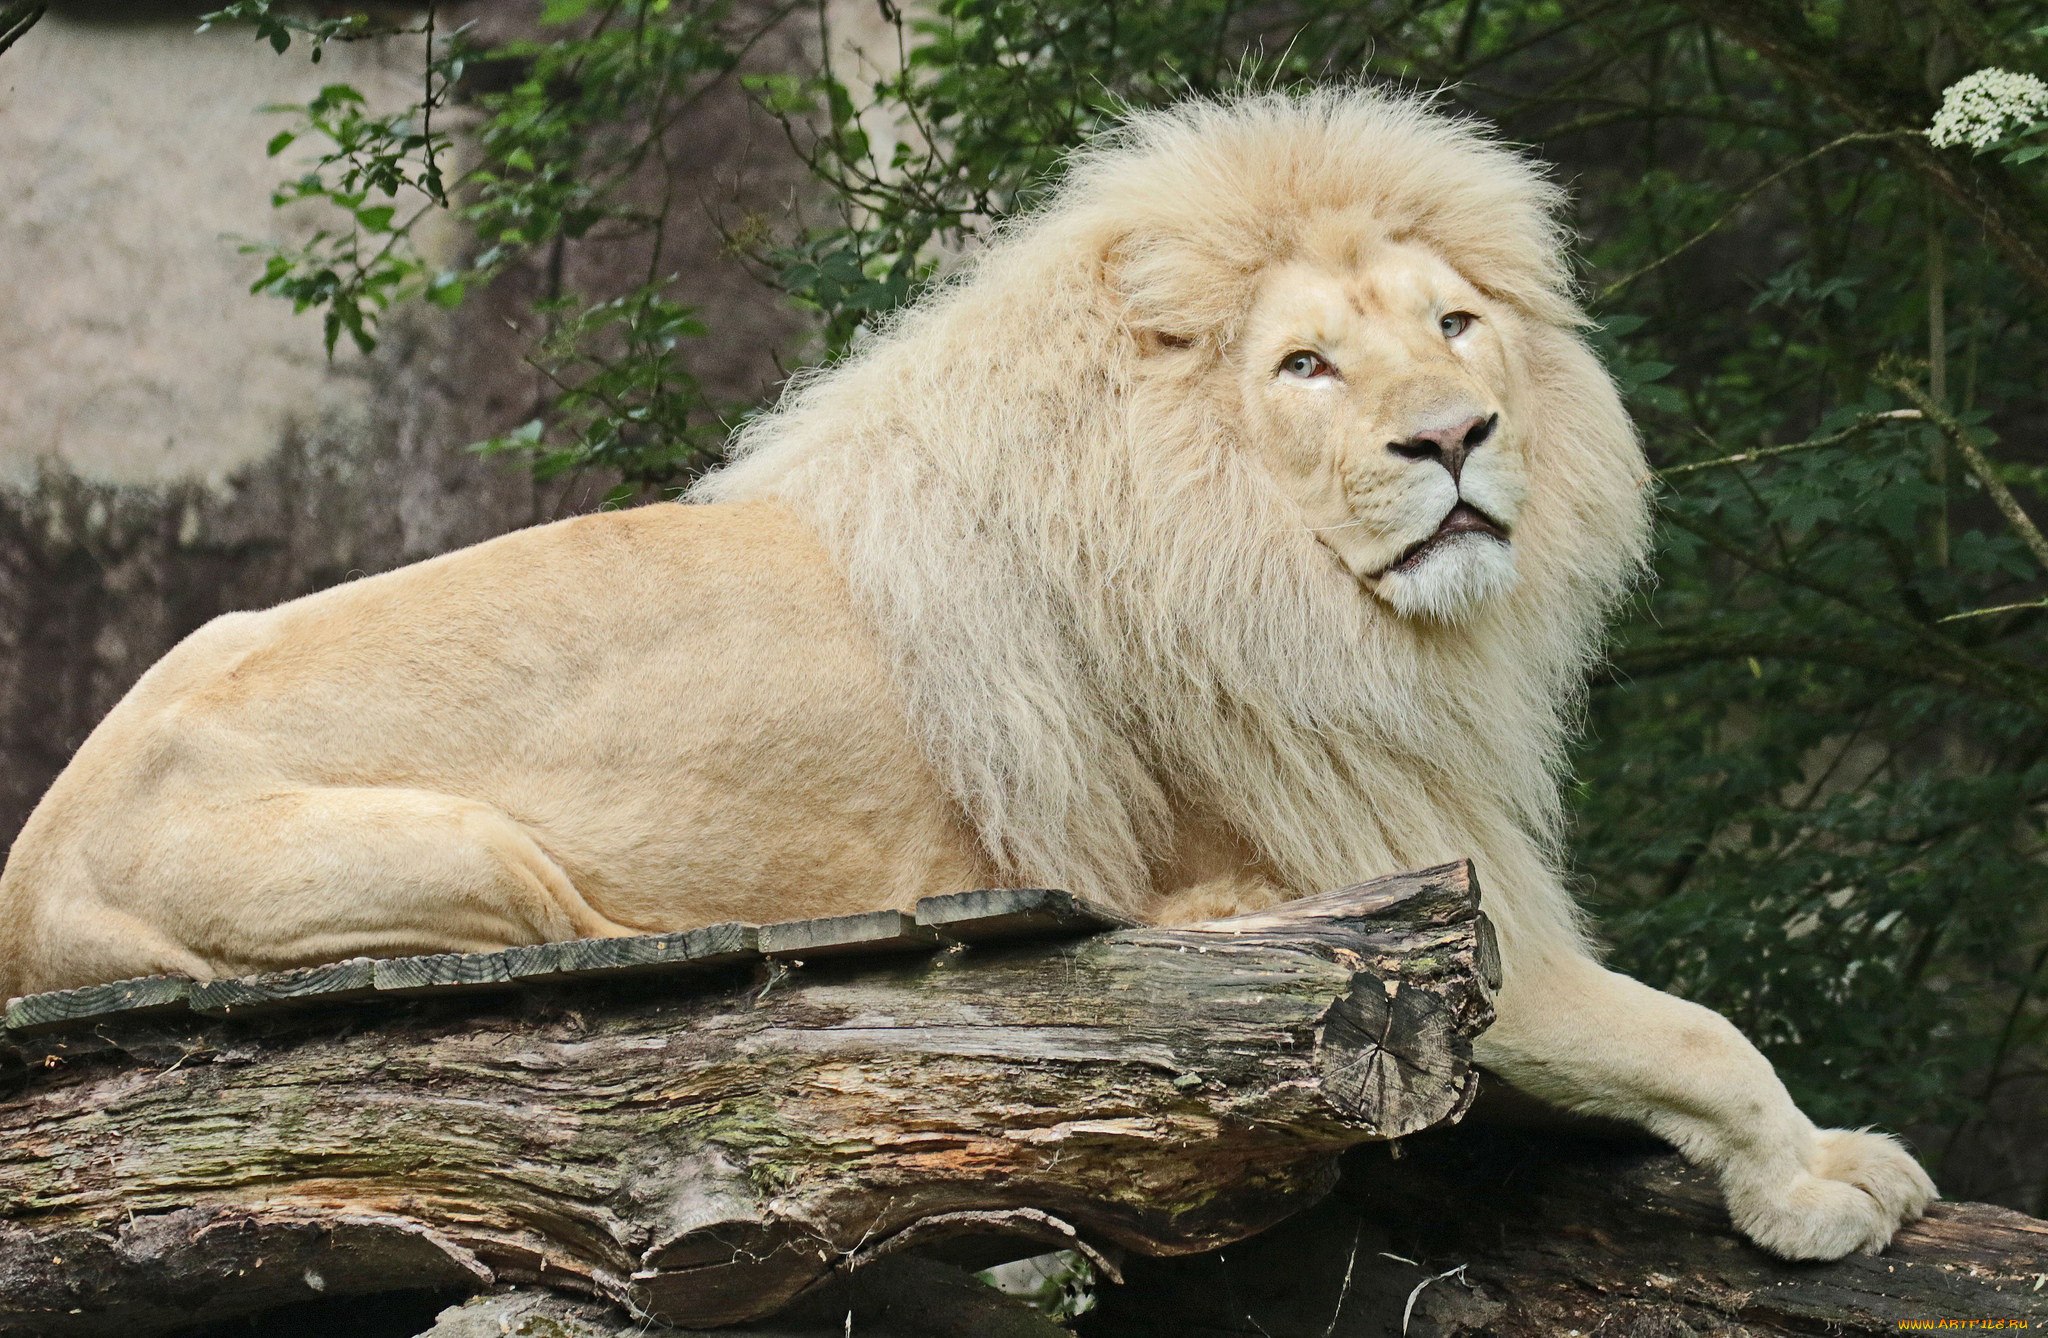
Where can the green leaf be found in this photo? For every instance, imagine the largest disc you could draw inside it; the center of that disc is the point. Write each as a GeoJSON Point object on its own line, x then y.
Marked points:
{"type": "Point", "coordinates": [446, 289]}
{"type": "Point", "coordinates": [1662, 398]}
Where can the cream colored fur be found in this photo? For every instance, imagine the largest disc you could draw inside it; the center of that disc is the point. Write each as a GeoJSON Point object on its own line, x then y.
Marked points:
{"type": "Point", "coordinates": [1076, 575]}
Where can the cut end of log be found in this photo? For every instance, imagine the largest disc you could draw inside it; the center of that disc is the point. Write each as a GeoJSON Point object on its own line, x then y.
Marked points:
{"type": "Point", "coordinates": [1391, 1055]}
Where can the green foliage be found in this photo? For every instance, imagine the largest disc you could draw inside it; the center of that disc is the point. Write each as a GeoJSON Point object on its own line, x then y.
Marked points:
{"type": "Point", "coordinates": [623, 410]}
{"type": "Point", "coordinates": [564, 134]}
{"type": "Point", "coordinates": [277, 26]}
{"type": "Point", "coordinates": [369, 168]}
{"type": "Point", "coordinates": [1813, 784]}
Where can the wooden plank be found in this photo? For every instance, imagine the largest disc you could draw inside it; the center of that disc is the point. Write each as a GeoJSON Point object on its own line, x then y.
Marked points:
{"type": "Point", "coordinates": [144, 996]}
{"type": "Point", "coordinates": [1004, 914]}
{"type": "Point", "coordinates": [329, 982]}
{"type": "Point", "coordinates": [872, 933]}
{"type": "Point", "coordinates": [982, 916]}
{"type": "Point", "coordinates": [442, 973]}
{"type": "Point", "coordinates": [634, 958]}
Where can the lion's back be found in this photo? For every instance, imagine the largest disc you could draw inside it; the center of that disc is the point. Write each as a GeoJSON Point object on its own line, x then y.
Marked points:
{"type": "Point", "coordinates": [678, 702]}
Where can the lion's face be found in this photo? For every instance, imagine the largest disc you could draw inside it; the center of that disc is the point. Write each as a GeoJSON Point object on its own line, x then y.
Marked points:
{"type": "Point", "coordinates": [1377, 390]}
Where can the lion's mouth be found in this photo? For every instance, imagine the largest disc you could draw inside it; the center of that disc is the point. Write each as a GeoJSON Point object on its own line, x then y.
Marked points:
{"type": "Point", "coordinates": [1462, 519]}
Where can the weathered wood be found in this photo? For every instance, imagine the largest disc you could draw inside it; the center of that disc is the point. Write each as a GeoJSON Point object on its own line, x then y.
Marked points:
{"type": "Point", "coordinates": [703, 1156]}
{"type": "Point", "coordinates": [328, 983]}
{"type": "Point", "coordinates": [895, 1297]}
{"type": "Point", "coordinates": [994, 915]}
{"type": "Point", "coordinates": [984, 916]}
{"type": "Point", "coordinates": [1513, 1234]}
{"type": "Point", "coordinates": [981, 916]}
{"type": "Point", "coordinates": [441, 973]}
{"type": "Point", "coordinates": [142, 997]}
{"type": "Point", "coordinates": [868, 934]}
{"type": "Point", "coordinates": [644, 957]}
{"type": "Point", "coordinates": [361, 978]}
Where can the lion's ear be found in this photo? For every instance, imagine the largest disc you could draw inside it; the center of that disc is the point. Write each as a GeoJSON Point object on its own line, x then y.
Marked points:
{"type": "Point", "coordinates": [1154, 342]}
{"type": "Point", "coordinates": [1154, 328]}
{"type": "Point", "coordinates": [1173, 293]}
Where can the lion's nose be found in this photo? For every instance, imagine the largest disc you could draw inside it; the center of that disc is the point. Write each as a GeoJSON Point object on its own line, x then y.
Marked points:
{"type": "Point", "coordinates": [1448, 446]}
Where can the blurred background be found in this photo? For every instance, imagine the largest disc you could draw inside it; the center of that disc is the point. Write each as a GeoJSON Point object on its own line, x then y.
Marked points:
{"type": "Point", "coordinates": [323, 289]}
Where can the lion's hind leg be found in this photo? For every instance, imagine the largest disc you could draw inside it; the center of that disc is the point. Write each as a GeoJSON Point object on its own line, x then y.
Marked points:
{"type": "Point", "coordinates": [298, 876]}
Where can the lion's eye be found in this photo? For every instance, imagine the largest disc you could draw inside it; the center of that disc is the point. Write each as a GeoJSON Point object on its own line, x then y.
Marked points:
{"type": "Point", "coordinates": [1306, 365]}
{"type": "Point", "coordinates": [1455, 323]}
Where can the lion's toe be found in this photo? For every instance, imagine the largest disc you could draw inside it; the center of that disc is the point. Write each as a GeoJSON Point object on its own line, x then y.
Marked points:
{"type": "Point", "coordinates": [1878, 1165]}
{"type": "Point", "coordinates": [1857, 1190]}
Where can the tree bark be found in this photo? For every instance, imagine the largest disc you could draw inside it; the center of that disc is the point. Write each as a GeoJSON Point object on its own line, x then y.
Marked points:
{"type": "Point", "coordinates": [1517, 1233]}
{"type": "Point", "coordinates": [702, 1157]}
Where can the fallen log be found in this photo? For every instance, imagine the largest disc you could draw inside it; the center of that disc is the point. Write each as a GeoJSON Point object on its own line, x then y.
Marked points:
{"type": "Point", "coordinates": [1490, 1232]}
{"type": "Point", "coordinates": [1469, 1232]}
{"type": "Point", "coordinates": [698, 1133]}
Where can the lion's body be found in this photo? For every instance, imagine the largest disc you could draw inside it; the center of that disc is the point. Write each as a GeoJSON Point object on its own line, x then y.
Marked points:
{"type": "Point", "coordinates": [1239, 525]}
{"type": "Point", "coordinates": [674, 707]}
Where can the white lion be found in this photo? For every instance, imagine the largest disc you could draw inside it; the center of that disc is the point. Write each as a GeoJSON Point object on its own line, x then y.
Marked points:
{"type": "Point", "coordinates": [1238, 525]}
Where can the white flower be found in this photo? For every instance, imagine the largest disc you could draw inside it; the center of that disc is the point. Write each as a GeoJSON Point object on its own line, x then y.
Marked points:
{"type": "Point", "coordinates": [1977, 108]}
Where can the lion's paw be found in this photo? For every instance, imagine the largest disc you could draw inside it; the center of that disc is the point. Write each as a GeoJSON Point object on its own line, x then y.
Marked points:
{"type": "Point", "coordinates": [1857, 1189]}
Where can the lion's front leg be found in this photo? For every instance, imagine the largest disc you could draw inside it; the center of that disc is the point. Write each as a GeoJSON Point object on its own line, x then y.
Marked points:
{"type": "Point", "coordinates": [1590, 1040]}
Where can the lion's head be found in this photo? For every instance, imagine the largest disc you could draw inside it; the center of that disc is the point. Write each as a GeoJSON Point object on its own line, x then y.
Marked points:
{"type": "Point", "coordinates": [1260, 474]}
{"type": "Point", "coordinates": [1377, 391]}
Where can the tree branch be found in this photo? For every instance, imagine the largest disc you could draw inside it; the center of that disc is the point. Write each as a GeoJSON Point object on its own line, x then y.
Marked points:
{"type": "Point", "coordinates": [1876, 102]}
{"type": "Point", "coordinates": [16, 20]}
{"type": "Point", "coordinates": [1860, 137]}
{"type": "Point", "coordinates": [1979, 463]}
{"type": "Point", "coordinates": [1857, 428]}
{"type": "Point", "coordinates": [1984, 672]}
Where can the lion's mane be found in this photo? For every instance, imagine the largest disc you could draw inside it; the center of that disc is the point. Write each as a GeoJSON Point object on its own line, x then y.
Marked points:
{"type": "Point", "coordinates": [1101, 611]}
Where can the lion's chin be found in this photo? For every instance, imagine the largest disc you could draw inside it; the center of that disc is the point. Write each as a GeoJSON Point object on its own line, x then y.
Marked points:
{"type": "Point", "coordinates": [1452, 580]}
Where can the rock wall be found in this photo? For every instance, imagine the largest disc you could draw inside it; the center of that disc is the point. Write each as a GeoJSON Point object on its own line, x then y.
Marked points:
{"type": "Point", "coordinates": [172, 447]}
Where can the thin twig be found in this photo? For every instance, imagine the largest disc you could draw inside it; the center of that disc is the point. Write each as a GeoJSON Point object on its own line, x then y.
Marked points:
{"type": "Point", "coordinates": [432, 177]}
{"type": "Point", "coordinates": [15, 20]}
{"type": "Point", "coordinates": [1344, 1292]}
{"type": "Point", "coordinates": [1937, 365]}
{"type": "Point", "coordinates": [1859, 137]}
{"type": "Point", "coordinates": [1861, 425]}
{"type": "Point", "coordinates": [1999, 608]}
{"type": "Point", "coordinates": [1408, 1311]}
{"type": "Point", "coordinates": [2001, 676]}
{"type": "Point", "coordinates": [1979, 463]}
